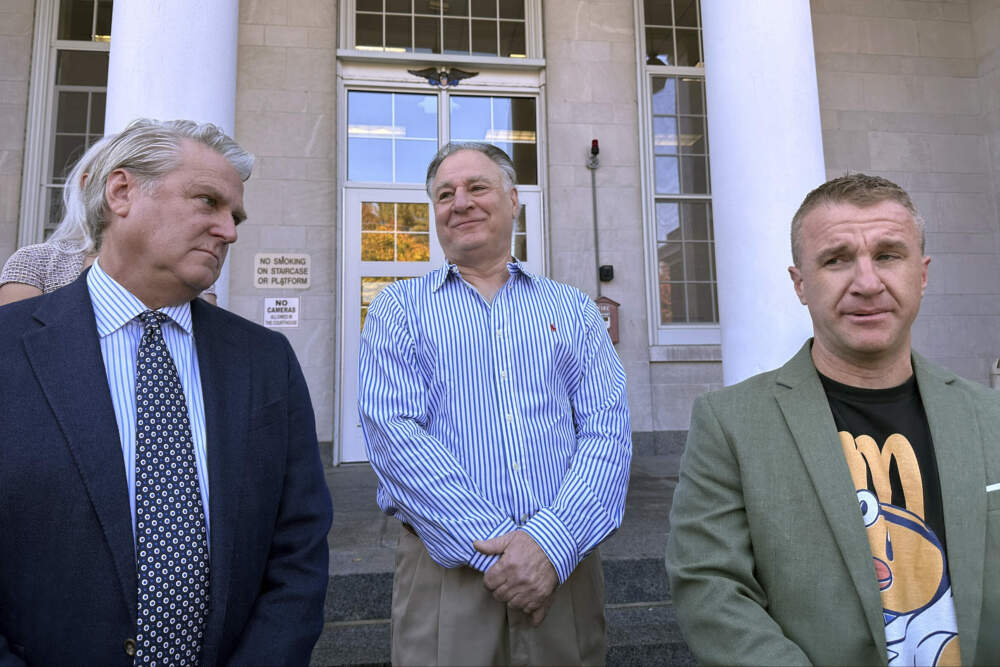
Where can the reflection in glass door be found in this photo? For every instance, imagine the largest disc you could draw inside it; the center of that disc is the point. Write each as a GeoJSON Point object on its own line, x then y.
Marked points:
{"type": "Point", "coordinates": [387, 218]}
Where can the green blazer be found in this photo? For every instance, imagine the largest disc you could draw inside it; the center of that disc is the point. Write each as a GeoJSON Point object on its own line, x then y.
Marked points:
{"type": "Point", "coordinates": [768, 558]}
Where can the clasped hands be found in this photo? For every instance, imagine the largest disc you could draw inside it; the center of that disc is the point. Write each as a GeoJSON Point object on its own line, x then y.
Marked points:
{"type": "Point", "coordinates": [523, 577]}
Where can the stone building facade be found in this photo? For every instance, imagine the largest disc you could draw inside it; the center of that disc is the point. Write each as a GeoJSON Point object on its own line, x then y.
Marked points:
{"type": "Point", "coordinates": [909, 89]}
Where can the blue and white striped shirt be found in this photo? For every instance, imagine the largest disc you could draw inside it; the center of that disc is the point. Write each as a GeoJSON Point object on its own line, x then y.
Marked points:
{"type": "Point", "coordinates": [115, 309]}
{"type": "Point", "coordinates": [484, 418]}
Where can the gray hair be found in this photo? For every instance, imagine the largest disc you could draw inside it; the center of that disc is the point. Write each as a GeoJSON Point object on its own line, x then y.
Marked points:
{"type": "Point", "coordinates": [497, 155]}
{"type": "Point", "coordinates": [150, 149]}
{"type": "Point", "coordinates": [859, 190]}
{"type": "Point", "coordinates": [73, 230]}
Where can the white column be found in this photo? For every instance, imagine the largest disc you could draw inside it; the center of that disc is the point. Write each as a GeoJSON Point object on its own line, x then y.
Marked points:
{"type": "Point", "coordinates": [767, 153]}
{"type": "Point", "coordinates": [174, 59]}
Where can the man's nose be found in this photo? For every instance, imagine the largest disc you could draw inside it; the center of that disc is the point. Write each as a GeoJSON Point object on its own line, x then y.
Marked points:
{"type": "Point", "coordinates": [462, 199]}
{"type": "Point", "coordinates": [867, 280]}
{"type": "Point", "coordinates": [225, 227]}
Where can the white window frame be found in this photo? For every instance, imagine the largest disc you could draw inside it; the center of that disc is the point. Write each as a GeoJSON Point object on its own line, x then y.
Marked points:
{"type": "Point", "coordinates": [40, 126]}
{"type": "Point", "coordinates": [532, 39]}
{"type": "Point", "coordinates": [661, 334]}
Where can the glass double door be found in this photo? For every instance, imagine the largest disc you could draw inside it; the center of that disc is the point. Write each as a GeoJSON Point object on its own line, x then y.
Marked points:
{"type": "Point", "coordinates": [387, 219]}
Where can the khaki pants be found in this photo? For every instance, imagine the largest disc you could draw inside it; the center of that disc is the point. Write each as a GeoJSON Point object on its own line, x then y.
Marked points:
{"type": "Point", "coordinates": [444, 616]}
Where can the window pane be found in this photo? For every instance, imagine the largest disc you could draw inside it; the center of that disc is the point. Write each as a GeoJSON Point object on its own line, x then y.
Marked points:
{"type": "Point", "coordinates": [104, 18]}
{"type": "Point", "coordinates": [671, 266]}
{"type": "Point", "coordinates": [657, 12]}
{"type": "Point", "coordinates": [484, 9]}
{"type": "Point", "coordinates": [701, 302]}
{"type": "Point", "coordinates": [697, 221]}
{"type": "Point", "coordinates": [470, 118]}
{"type": "Point", "coordinates": [664, 95]}
{"type": "Point", "coordinates": [698, 261]}
{"type": "Point", "coordinates": [412, 217]}
{"type": "Point", "coordinates": [520, 249]}
{"type": "Point", "coordinates": [665, 135]}
{"type": "Point", "coordinates": [456, 7]}
{"type": "Point", "coordinates": [368, 5]}
{"type": "Point", "coordinates": [97, 102]}
{"type": "Point", "coordinates": [368, 30]}
{"type": "Point", "coordinates": [456, 36]}
{"type": "Point", "coordinates": [82, 68]}
{"type": "Point", "coordinates": [667, 221]}
{"type": "Point", "coordinates": [67, 150]}
{"type": "Point", "coordinates": [512, 9]}
{"type": "Point", "coordinates": [416, 116]}
{"type": "Point", "coordinates": [397, 32]}
{"type": "Point", "coordinates": [368, 110]}
{"type": "Point", "coordinates": [76, 19]}
{"type": "Point", "coordinates": [692, 135]}
{"type": "Point", "coordinates": [512, 39]}
{"type": "Point", "coordinates": [520, 224]}
{"type": "Point", "coordinates": [691, 97]}
{"type": "Point", "coordinates": [377, 216]}
{"type": "Point", "coordinates": [371, 286]}
{"type": "Point", "coordinates": [693, 175]}
{"type": "Point", "coordinates": [672, 307]}
{"type": "Point", "coordinates": [667, 178]}
{"type": "Point", "coordinates": [659, 46]}
{"type": "Point", "coordinates": [484, 38]}
{"type": "Point", "coordinates": [427, 7]}
{"type": "Point", "coordinates": [412, 158]}
{"type": "Point", "coordinates": [688, 50]}
{"type": "Point", "coordinates": [427, 35]}
{"type": "Point", "coordinates": [376, 247]}
{"type": "Point", "coordinates": [413, 247]}
{"type": "Point", "coordinates": [685, 12]}
{"type": "Point", "coordinates": [369, 159]}
{"type": "Point", "coordinates": [72, 113]}
{"type": "Point", "coordinates": [398, 6]}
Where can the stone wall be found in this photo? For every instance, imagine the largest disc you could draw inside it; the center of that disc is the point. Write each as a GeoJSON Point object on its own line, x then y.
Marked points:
{"type": "Point", "coordinates": [16, 25]}
{"type": "Point", "coordinates": [285, 115]}
{"type": "Point", "coordinates": [903, 90]}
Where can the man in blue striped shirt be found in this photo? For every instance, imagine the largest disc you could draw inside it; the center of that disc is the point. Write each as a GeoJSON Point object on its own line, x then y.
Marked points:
{"type": "Point", "coordinates": [495, 413]}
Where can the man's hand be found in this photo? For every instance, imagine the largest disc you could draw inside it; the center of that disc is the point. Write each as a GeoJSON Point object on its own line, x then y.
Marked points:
{"type": "Point", "coordinates": [523, 577]}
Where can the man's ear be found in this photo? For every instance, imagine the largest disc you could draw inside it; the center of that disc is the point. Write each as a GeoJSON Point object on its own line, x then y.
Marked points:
{"type": "Point", "coordinates": [796, 276]}
{"type": "Point", "coordinates": [118, 191]}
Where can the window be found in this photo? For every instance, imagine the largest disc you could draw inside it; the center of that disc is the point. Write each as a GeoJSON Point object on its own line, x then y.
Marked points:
{"type": "Point", "coordinates": [451, 28]}
{"type": "Point", "coordinates": [676, 184]}
{"type": "Point", "coordinates": [66, 105]}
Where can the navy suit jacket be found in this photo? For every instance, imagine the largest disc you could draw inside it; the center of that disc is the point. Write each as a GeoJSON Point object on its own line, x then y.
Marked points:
{"type": "Point", "coordinates": [67, 557]}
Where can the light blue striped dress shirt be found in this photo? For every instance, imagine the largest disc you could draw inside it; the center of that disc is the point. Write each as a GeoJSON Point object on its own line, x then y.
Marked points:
{"type": "Point", "coordinates": [481, 418]}
{"type": "Point", "coordinates": [115, 309]}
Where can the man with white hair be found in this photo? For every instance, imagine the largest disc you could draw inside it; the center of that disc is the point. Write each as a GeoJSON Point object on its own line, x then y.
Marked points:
{"type": "Point", "coordinates": [162, 499]}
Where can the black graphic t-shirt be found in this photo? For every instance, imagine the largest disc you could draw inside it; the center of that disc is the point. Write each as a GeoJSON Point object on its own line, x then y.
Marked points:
{"type": "Point", "coordinates": [889, 451]}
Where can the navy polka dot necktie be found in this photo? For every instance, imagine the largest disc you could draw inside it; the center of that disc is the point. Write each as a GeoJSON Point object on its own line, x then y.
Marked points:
{"type": "Point", "coordinates": [171, 539]}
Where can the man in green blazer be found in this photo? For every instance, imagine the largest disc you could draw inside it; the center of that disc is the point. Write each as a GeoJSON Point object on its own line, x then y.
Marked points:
{"type": "Point", "coordinates": [844, 509]}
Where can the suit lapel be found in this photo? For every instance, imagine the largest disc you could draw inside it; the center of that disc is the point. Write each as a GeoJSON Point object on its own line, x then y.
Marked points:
{"type": "Point", "coordinates": [224, 364]}
{"type": "Point", "coordinates": [65, 355]}
{"type": "Point", "coordinates": [806, 411]}
{"type": "Point", "coordinates": [958, 452]}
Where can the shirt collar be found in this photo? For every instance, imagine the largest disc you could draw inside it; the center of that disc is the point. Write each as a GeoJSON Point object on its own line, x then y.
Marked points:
{"type": "Point", "coordinates": [448, 268]}
{"type": "Point", "coordinates": [115, 306]}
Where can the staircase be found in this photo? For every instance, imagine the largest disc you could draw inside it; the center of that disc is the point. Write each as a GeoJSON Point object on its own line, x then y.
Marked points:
{"type": "Point", "coordinates": [642, 629]}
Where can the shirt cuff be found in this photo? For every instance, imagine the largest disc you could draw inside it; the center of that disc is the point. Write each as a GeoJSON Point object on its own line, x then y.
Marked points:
{"type": "Point", "coordinates": [555, 540]}
{"type": "Point", "coordinates": [483, 562]}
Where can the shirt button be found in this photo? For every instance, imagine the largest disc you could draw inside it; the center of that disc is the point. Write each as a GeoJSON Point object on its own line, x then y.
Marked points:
{"type": "Point", "coordinates": [510, 418]}
{"type": "Point", "coordinates": [503, 374]}
{"type": "Point", "coordinates": [524, 518]}
{"type": "Point", "coordinates": [130, 647]}
{"type": "Point", "coordinates": [500, 331]}
{"type": "Point", "coordinates": [516, 466]}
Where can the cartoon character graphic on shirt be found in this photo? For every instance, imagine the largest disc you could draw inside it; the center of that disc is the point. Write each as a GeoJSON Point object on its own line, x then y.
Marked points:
{"type": "Point", "coordinates": [910, 563]}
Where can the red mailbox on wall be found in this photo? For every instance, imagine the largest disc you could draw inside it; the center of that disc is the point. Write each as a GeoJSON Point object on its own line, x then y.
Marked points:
{"type": "Point", "coordinates": [609, 313]}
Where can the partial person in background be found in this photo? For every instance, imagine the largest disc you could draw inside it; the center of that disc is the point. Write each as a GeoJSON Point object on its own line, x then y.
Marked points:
{"type": "Point", "coordinates": [44, 267]}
